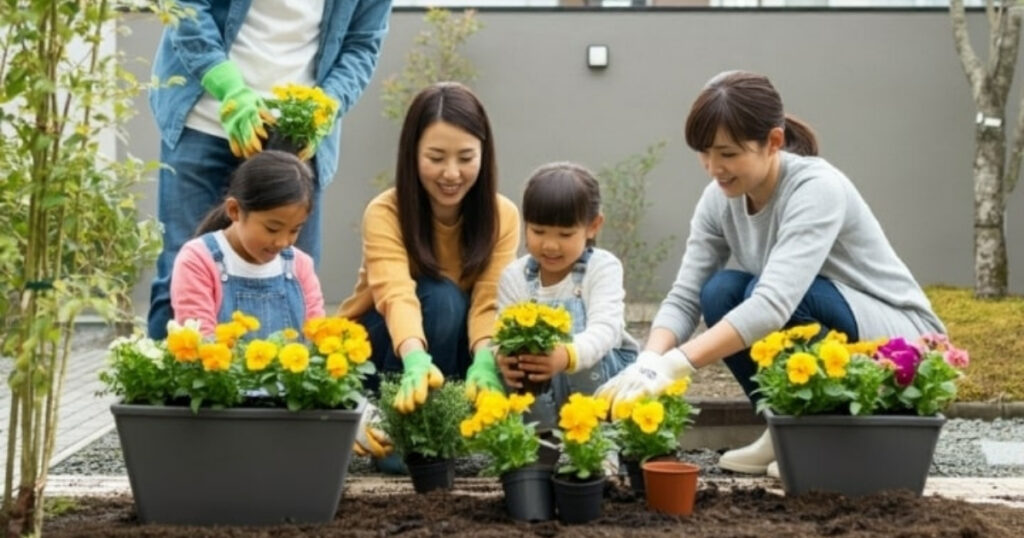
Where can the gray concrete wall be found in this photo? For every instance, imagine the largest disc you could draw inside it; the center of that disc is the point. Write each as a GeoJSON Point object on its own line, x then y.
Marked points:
{"type": "Point", "coordinates": [884, 90]}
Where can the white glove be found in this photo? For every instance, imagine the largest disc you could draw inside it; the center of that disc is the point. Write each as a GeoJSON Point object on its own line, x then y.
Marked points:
{"type": "Point", "coordinates": [648, 376]}
{"type": "Point", "coordinates": [370, 439]}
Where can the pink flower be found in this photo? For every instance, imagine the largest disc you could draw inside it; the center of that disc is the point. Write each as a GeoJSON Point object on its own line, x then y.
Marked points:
{"type": "Point", "coordinates": [936, 341]}
{"type": "Point", "coordinates": [904, 356]}
{"type": "Point", "coordinates": [958, 358]}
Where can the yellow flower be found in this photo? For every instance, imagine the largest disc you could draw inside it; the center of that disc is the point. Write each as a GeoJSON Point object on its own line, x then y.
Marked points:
{"type": "Point", "coordinates": [519, 403]}
{"type": "Point", "coordinates": [678, 387]}
{"type": "Point", "coordinates": [328, 345]}
{"type": "Point", "coordinates": [804, 332]}
{"type": "Point", "coordinates": [470, 426]}
{"type": "Point", "coordinates": [577, 414]}
{"type": "Point", "coordinates": [836, 357]}
{"type": "Point", "coordinates": [648, 416]}
{"type": "Point", "coordinates": [526, 317]}
{"type": "Point", "coordinates": [622, 409]}
{"type": "Point", "coordinates": [259, 354]}
{"type": "Point", "coordinates": [491, 406]}
{"type": "Point", "coordinates": [249, 322]}
{"type": "Point", "coordinates": [229, 333]}
{"type": "Point", "coordinates": [579, 434]}
{"type": "Point", "coordinates": [800, 367]}
{"type": "Point", "coordinates": [836, 336]}
{"type": "Point", "coordinates": [866, 347]}
{"type": "Point", "coordinates": [215, 357]}
{"type": "Point", "coordinates": [337, 365]}
{"type": "Point", "coordinates": [294, 357]}
{"type": "Point", "coordinates": [557, 318]}
{"type": "Point", "coordinates": [764, 352]}
{"type": "Point", "coordinates": [184, 344]}
{"type": "Point", "coordinates": [358, 350]}
{"type": "Point", "coordinates": [290, 334]}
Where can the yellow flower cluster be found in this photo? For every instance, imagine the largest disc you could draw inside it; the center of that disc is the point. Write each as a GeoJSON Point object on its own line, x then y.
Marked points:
{"type": "Point", "coordinates": [186, 345]}
{"type": "Point", "coordinates": [491, 407]}
{"type": "Point", "coordinates": [648, 415]}
{"type": "Point", "coordinates": [580, 415]}
{"type": "Point", "coordinates": [526, 314]}
{"type": "Point", "coordinates": [833, 352]}
{"type": "Point", "coordinates": [325, 105]}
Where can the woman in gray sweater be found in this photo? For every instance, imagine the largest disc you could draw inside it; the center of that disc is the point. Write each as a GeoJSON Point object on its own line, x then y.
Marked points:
{"type": "Point", "coordinates": [805, 245]}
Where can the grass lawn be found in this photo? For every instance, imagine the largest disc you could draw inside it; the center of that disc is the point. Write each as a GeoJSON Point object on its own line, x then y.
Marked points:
{"type": "Point", "coordinates": [993, 333]}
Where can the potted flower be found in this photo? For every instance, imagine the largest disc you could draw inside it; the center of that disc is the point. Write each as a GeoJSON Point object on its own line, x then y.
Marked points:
{"type": "Point", "coordinates": [854, 418]}
{"type": "Point", "coordinates": [302, 116]}
{"type": "Point", "coordinates": [201, 419]}
{"type": "Point", "coordinates": [586, 441]}
{"type": "Point", "coordinates": [531, 328]}
{"type": "Point", "coordinates": [428, 438]}
{"type": "Point", "coordinates": [497, 428]}
{"type": "Point", "coordinates": [649, 428]}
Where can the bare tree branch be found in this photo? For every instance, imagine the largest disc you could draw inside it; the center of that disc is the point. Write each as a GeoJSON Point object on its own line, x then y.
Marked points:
{"type": "Point", "coordinates": [1016, 154]}
{"type": "Point", "coordinates": [971, 64]}
{"type": "Point", "coordinates": [1009, 46]}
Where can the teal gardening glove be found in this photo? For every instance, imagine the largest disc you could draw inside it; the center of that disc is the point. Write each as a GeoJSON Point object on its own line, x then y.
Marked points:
{"type": "Point", "coordinates": [418, 374]}
{"type": "Point", "coordinates": [482, 374]}
{"type": "Point", "coordinates": [242, 111]}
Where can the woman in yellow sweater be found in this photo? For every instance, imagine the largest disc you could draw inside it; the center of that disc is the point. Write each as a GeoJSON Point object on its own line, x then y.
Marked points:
{"type": "Point", "coordinates": [434, 247]}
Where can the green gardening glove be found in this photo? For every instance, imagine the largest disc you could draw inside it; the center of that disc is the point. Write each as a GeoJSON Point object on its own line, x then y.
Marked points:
{"type": "Point", "coordinates": [307, 152]}
{"type": "Point", "coordinates": [482, 374]}
{"type": "Point", "coordinates": [242, 111]}
{"type": "Point", "coordinates": [418, 374]}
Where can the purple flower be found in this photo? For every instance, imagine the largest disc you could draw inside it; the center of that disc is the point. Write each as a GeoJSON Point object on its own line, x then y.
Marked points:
{"type": "Point", "coordinates": [905, 358]}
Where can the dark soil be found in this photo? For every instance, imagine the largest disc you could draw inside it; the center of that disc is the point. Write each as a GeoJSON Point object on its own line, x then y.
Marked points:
{"type": "Point", "coordinates": [719, 513]}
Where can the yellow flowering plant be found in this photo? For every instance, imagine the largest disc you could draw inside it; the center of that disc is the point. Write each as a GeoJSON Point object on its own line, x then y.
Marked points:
{"type": "Point", "coordinates": [304, 115]}
{"type": "Point", "coordinates": [586, 436]}
{"type": "Point", "coordinates": [321, 368]}
{"type": "Point", "coordinates": [531, 328]}
{"type": "Point", "coordinates": [497, 428]}
{"type": "Point", "coordinates": [800, 374]}
{"type": "Point", "coordinates": [651, 426]}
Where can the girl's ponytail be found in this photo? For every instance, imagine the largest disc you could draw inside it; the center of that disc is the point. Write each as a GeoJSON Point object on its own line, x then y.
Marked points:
{"type": "Point", "coordinates": [216, 219]}
{"type": "Point", "coordinates": [800, 138]}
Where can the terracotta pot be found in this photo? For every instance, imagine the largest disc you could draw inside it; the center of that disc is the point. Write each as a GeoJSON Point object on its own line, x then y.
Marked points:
{"type": "Point", "coordinates": [671, 486]}
{"type": "Point", "coordinates": [636, 472]}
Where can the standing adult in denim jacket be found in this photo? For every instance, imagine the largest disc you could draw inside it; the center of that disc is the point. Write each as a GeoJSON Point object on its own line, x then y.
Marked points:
{"type": "Point", "coordinates": [230, 55]}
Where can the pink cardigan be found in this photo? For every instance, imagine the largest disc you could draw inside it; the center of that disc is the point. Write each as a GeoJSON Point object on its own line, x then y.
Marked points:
{"type": "Point", "coordinates": [196, 291]}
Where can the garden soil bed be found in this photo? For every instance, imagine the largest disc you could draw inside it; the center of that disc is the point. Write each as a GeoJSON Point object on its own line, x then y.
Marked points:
{"type": "Point", "coordinates": [476, 508]}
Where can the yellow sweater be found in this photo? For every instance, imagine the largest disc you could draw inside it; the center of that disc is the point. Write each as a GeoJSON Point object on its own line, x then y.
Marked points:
{"type": "Point", "coordinates": [385, 280]}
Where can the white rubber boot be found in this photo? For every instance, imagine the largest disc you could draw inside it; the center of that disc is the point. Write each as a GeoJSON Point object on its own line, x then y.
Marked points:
{"type": "Point", "coordinates": [773, 470]}
{"type": "Point", "coordinates": [751, 459]}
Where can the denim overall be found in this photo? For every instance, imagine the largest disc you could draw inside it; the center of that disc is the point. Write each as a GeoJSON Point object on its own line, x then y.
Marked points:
{"type": "Point", "coordinates": [545, 410]}
{"type": "Point", "coordinates": [276, 301]}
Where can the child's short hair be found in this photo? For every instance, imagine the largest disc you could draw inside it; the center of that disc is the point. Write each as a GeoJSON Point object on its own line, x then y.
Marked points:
{"type": "Point", "coordinates": [561, 194]}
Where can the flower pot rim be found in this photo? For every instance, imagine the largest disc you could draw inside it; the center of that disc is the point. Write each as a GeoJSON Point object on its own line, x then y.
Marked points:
{"type": "Point", "coordinates": [832, 419]}
{"type": "Point", "coordinates": [670, 467]}
{"type": "Point", "coordinates": [240, 412]}
{"type": "Point", "coordinates": [564, 478]}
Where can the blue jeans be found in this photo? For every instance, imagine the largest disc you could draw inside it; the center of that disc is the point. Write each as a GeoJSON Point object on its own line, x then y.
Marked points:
{"type": "Point", "coordinates": [201, 167]}
{"type": "Point", "coordinates": [444, 307]}
{"type": "Point", "coordinates": [822, 304]}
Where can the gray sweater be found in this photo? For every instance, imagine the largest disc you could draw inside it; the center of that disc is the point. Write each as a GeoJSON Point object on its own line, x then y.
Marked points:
{"type": "Point", "coordinates": [816, 223]}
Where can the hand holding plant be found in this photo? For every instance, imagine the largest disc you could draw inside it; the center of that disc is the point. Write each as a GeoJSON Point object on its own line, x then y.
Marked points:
{"type": "Point", "coordinates": [529, 329]}
{"type": "Point", "coordinates": [651, 426]}
{"type": "Point", "coordinates": [497, 429]}
{"type": "Point", "coordinates": [586, 438]}
{"type": "Point", "coordinates": [304, 116]}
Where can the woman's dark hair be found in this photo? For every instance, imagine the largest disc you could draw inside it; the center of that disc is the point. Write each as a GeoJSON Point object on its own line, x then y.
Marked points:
{"type": "Point", "coordinates": [268, 180]}
{"type": "Point", "coordinates": [454, 104]}
{"type": "Point", "coordinates": [747, 106]}
{"type": "Point", "coordinates": [562, 194]}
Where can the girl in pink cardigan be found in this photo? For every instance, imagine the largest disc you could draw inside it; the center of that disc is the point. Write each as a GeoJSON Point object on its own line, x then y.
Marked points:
{"type": "Point", "coordinates": [243, 258]}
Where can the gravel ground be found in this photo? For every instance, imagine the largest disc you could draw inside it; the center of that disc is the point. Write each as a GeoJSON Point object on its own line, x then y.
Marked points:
{"type": "Point", "coordinates": [958, 454]}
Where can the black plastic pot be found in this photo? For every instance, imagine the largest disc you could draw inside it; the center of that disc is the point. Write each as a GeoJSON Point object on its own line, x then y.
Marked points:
{"type": "Point", "coordinates": [578, 502]}
{"type": "Point", "coordinates": [528, 494]}
{"type": "Point", "coordinates": [429, 474]}
{"type": "Point", "coordinates": [278, 142]}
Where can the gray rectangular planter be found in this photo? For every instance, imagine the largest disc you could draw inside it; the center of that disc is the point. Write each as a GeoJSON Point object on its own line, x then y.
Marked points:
{"type": "Point", "coordinates": [242, 466]}
{"type": "Point", "coordinates": [853, 455]}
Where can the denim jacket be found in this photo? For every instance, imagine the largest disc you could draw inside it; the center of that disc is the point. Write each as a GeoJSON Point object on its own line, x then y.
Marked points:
{"type": "Point", "coordinates": [351, 32]}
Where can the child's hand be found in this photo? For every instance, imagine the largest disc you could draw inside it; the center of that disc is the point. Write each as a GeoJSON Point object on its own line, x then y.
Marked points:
{"type": "Point", "coordinates": [541, 368]}
{"type": "Point", "coordinates": [512, 375]}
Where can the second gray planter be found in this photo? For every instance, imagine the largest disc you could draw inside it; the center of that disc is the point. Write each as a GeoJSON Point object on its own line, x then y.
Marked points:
{"type": "Point", "coordinates": [242, 466]}
{"type": "Point", "coordinates": [853, 455]}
